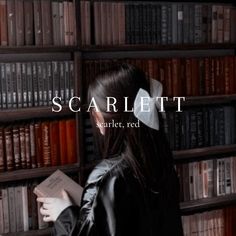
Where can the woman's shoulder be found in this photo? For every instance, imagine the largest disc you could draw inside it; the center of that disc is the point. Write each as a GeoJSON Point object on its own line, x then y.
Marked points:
{"type": "Point", "coordinates": [111, 167]}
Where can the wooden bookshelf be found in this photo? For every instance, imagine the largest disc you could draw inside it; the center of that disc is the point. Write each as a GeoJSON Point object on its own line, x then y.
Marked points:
{"type": "Point", "coordinates": [26, 174]}
{"type": "Point", "coordinates": [145, 47]}
{"type": "Point", "coordinates": [203, 152]}
{"type": "Point", "coordinates": [39, 232]}
{"type": "Point", "coordinates": [203, 100]}
{"type": "Point", "coordinates": [10, 115]}
{"type": "Point", "coordinates": [207, 203]}
{"type": "Point", "coordinates": [37, 49]}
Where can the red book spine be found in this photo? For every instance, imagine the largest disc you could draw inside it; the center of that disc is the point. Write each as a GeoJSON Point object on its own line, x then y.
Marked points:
{"type": "Point", "coordinates": [46, 144]}
{"type": "Point", "coordinates": [71, 141]}
{"type": "Point", "coordinates": [62, 138]}
{"type": "Point", "coordinates": [22, 147]}
{"type": "Point", "coordinates": [54, 141]}
{"type": "Point", "coordinates": [38, 139]}
{"type": "Point", "coordinates": [3, 22]}
{"type": "Point", "coordinates": [9, 148]}
{"type": "Point", "coordinates": [2, 158]}
{"type": "Point", "coordinates": [27, 146]}
{"type": "Point", "coordinates": [16, 147]}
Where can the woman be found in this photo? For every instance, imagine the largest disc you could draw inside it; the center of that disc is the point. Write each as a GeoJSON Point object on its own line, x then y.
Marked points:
{"type": "Point", "coordinates": [134, 190]}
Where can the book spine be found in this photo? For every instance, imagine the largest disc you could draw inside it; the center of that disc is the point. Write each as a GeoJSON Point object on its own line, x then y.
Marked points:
{"type": "Point", "coordinates": [3, 23]}
{"type": "Point", "coordinates": [16, 147]}
{"type": "Point", "coordinates": [22, 147]}
{"type": "Point", "coordinates": [24, 84]}
{"type": "Point", "coordinates": [29, 22]}
{"type": "Point", "coordinates": [19, 85]}
{"type": "Point", "coordinates": [9, 86]}
{"type": "Point", "coordinates": [164, 24]}
{"type": "Point", "coordinates": [20, 37]}
{"type": "Point", "coordinates": [50, 82]}
{"type": "Point", "coordinates": [179, 23]}
{"type": "Point", "coordinates": [12, 206]}
{"type": "Point", "coordinates": [14, 85]}
{"type": "Point", "coordinates": [45, 84]}
{"type": "Point", "coordinates": [38, 31]}
{"type": "Point", "coordinates": [62, 82]}
{"type": "Point", "coordinates": [29, 83]}
{"type": "Point", "coordinates": [6, 217]}
{"type": "Point", "coordinates": [40, 83]}
{"type": "Point", "coordinates": [46, 22]}
{"type": "Point", "coordinates": [46, 144]}
{"type": "Point", "coordinates": [11, 22]}
{"type": "Point", "coordinates": [27, 146]}
{"type": "Point", "coordinates": [8, 148]}
{"type": "Point", "coordinates": [32, 146]}
{"type": "Point", "coordinates": [38, 143]}
{"type": "Point", "coordinates": [2, 155]}
{"type": "Point", "coordinates": [4, 85]}
{"type": "Point", "coordinates": [35, 84]}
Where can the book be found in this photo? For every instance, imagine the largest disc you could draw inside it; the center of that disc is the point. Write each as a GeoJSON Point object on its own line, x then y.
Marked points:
{"type": "Point", "coordinates": [53, 185]}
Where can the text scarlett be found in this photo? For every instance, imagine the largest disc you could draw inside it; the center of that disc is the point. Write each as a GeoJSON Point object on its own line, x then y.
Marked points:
{"type": "Point", "coordinates": [111, 104]}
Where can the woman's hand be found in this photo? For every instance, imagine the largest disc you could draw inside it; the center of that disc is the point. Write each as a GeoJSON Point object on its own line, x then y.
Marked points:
{"type": "Point", "coordinates": [52, 207]}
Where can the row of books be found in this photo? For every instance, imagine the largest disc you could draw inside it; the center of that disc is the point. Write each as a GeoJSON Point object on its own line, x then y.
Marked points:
{"type": "Point", "coordinates": [117, 23]}
{"type": "Point", "coordinates": [37, 22]}
{"type": "Point", "coordinates": [201, 127]}
{"type": "Point", "coordinates": [216, 222]}
{"type": "Point", "coordinates": [208, 178]}
{"type": "Point", "coordinates": [19, 210]}
{"type": "Point", "coordinates": [27, 84]}
{"type": "Point", "coordinates": [179, 76]}
{"type": "Point", "coordinates": [37, 143]}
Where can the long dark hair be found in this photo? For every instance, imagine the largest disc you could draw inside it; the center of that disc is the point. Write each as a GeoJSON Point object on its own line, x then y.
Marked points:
{"type": "Point", "coordinates": [145, 149]}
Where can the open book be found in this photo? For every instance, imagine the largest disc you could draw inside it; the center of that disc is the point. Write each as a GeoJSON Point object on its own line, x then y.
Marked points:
{"type": "Point", "coordinates": [52, 186]}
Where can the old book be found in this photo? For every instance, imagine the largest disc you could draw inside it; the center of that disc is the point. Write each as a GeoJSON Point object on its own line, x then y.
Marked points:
{"type": "Point", "coordinates": [22, 146]}
{"type": "Point", "coordinates": [16, 147]}
{"type": "Point", "coordinates": [54, 142]}
{"type": "Point", "coordinates": [2, 157]}
{"type": "Point", "coordinates": [35, 84]}
{"type": "Point", "coordinates": [63, 145]}
{"type": "Point", "coordinates": [32, 146]}
{"type": "Point", "coordinates": [3, 22]}
{"type": "Point", "coordinates": [46, 145]}
{"type": "Point", "coordinates": [5, 202]}
{"type": "Point", "coordinates": [38, 32]}
{"type": "Point", "coordinates": [11, 22]}
{"type": "Point", "coordinates": [29, 83]}
{"type": "Point", "coordinates": [8, 148]}
{"type": "Point", "coordinates": [53, 185]}
{"type": "Point", "coordinates": [61, 24]}
{"type": "Point", "coordinates": [27, 146]}
{"type": "Point", "coordinates": [18, 208]}
{"type": "Point", "coordinates": [97, 23]}
{"type": "Point", "coordinates": [20, 37]}
{"type": "Point", "coordinates": [72, 23]}
{"type": "Point", "coordinates": [29, 22]}
{"type": "Point", "coordinates": [47, 22]}
{"type": "Point", "coordinates": [38, 143]}
{"type": "Point", "coordinates": [71, 141]}
{"type": "Point", "coordinates": [24, 84]}
{"type": "Point", "coordinates": [12, 207]}
{"type": "Point", "coordinates": [56, 23]}
{"type": "Point", "coordinates": [66, 23]}
{"type": "Point", "coordinates": [19, 85]}
{"type": "Point", "coordinates": [1, 215]}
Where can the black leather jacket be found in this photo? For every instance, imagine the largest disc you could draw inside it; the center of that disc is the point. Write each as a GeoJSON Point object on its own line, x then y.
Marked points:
{"type": "Point", "coordinates": [115, 204]}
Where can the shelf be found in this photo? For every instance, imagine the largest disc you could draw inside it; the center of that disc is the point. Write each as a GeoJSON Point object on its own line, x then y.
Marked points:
{"type": "Point", "coordinates": [145, 47]}
{"type": "Point", "coordinates": [8, 115]}
{"type": "Point", "coordinates": [207, 203]}
{"type": "Point", "coordinates": [36, 49]}
{"type": "Point", "coordinates": [39, 232]}
{"type": "Point", "coordinates": [202, 152]}
{"type": "Point", "coordinates": [25, 174]}
{"type": "Point", "coordinates": [203, 100]}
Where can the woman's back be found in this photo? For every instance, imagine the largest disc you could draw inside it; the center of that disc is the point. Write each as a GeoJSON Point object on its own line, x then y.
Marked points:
{"type": "Point", "coordinates": [115, 203]}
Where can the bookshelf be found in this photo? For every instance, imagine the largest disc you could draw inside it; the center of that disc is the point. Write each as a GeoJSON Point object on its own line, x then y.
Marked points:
{"type": "Point", "coordinates": [78, 53]}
